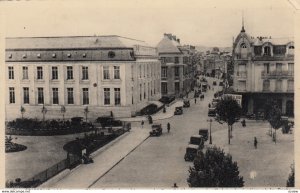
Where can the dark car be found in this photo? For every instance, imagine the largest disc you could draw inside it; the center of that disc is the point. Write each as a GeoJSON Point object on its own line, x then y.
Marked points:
{"type": "Point", "coordinates": [178, 111]}
{"type": "Point", "coordinates": [191, 152]}
{"type": "Point", "coordinates": [186, 103]}
{"type": "Point", "coordinates": [196, 139]}
{"type": "Point", "coordinates": [156, 130]}
{"type": "Point", "coordinates": [204, 87]}
{"type": "Point", "coordinates": [215, 83]}
{"type": "Point", "coordinates": [211, 112]}
{"type": "Point", "coordinates": [204, 133]}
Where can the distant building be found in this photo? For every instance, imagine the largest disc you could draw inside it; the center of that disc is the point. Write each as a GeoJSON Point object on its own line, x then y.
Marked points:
{"type": "Point", "coordinates": [105, 73]}
{"type": "Point", "coordinates": [264, 70]}
{"type": "Point", "coordinates": [176, 66]}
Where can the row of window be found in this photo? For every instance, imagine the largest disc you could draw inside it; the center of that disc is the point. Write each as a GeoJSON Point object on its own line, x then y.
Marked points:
{"type": "Point", "coordinates": [278, 85]}
{"type": "Point", "coordinates": [54, 72]}
{"type": "Point", "coordinates": [164, 72]}
{"type": "Point", "coordinates": [164, 87]}
{"type": "Point", "coordinates": [174, 60]}
{"type": "Point", "coordinates": [70, 96]}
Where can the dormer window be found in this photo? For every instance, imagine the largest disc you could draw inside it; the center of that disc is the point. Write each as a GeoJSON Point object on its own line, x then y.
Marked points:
{"type": "Point", "coordinates": [10, 56]}
{"type": "Point", "coordinates": [243, 45]}
{"type": "Point", "coordinates": [69, 55]}
{"type": "Point", "coordinates": [24, 56]}
{"type": "Point", "coordinates": [267, 51]}
{"type": "Point", "coordinates": [38, 55]}
{"type": "Point", "coordinates": [111, 54]}
{"type": "Point", "coordinates": [53, 55]}
{"type": "Point", "coordinates": [291, 47]}
{"type": "Point", "coordinates": [84, 55]}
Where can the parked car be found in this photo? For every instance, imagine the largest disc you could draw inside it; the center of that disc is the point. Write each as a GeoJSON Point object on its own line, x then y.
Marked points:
{"type": "Point", "coordinates": [186, 103]}
{"type": "Point", "coordinates": [204, 133]}
{"type": "Point", "coordinates": [214, 83]}
{"type": "Point", "coordinates": [178, 111]}
{"type": "Point", "coordinates": [156, 130]}
{"type": "Point", "coordinates": [204, 87]}
{"type": "Point", "coordinates": [191, 152]}
{"type": "Point", "coordinates": [196, 139]}
{"type": "Point", "coordinates": [211, 112]}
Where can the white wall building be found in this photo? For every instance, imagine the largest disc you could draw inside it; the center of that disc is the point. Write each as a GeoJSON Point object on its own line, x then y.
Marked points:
{"type": "Point", "coordinates": [105, 73]}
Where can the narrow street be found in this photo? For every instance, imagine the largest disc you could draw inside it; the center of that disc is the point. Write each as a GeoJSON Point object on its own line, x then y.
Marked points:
{"type": "Point", "coordinates": [159, 161]}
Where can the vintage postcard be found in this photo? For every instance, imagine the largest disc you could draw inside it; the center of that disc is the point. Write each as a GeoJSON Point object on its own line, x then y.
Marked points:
{"type": "Point", "coordinates": [149, 94]}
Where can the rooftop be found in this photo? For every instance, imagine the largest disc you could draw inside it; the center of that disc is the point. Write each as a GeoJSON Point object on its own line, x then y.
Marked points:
{"type": "Point", "coordinates": [110, 41]}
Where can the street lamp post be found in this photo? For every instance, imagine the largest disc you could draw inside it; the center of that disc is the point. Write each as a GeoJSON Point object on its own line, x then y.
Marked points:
{"type": "Point", "coordinates": [210, 137]}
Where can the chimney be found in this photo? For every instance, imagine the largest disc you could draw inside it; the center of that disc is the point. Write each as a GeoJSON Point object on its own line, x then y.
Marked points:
{"type": "Point", "coordinates": [178, 40]}
{"type": "Point", "coordinates": [168, 35]}
{"type": "Point", "coordinates": [174, 38]}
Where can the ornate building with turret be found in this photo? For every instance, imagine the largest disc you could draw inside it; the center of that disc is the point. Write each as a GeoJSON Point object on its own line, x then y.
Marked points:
{"type": "Point", "coordinates": [264, 70]}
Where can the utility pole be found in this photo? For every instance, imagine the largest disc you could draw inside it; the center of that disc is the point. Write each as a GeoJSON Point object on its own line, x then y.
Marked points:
{"type": "Point", "coordinates": [210, 137]}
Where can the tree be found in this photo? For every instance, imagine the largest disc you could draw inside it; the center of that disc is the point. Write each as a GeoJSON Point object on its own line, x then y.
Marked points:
{"type": "Point", "coordinates": [214, 169]}
{"type": "Point", "coordinates": [63, 111]}
{"type": "Point", "coordinates": [291, 180]}
{"type": "Point", "coordinates": [22, 111]}
{"type": "Point", "coordinates": [229, 111]}
{"type": "Point", "coordinates": [274, 118]}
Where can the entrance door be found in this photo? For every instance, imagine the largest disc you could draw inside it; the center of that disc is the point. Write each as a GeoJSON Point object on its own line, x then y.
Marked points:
{"type": "Point", "coordinates": [289, 108]}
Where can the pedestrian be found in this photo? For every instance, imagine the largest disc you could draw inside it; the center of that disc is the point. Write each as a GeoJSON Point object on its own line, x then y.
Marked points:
{"type": "Point", "coordinates": [255, 142]}
{"type": "Point", "coordinates": [244, 123]}
{"type": "Point", "coordinates": [209, 105]}
{"type": "Point", "coordinates": [142, 123]}
{"type": "Point", "coordinates": [175, 185]}
{"type": "Point", "coordinates": [168, 127]}
{"type": "Point", "coordinates": [195, 100]}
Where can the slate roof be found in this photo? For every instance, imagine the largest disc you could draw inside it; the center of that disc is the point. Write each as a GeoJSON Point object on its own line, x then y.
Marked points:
{"type": "Point", "coordinates": [168, 46]}
{"type": "Point", "coordinates": [273, 41]}
{"type": "Point", "coordinates": [112, 41]}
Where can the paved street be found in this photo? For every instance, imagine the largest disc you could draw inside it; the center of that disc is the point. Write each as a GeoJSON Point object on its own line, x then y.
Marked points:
{"type": "Point", "coordinates": [159, 161]}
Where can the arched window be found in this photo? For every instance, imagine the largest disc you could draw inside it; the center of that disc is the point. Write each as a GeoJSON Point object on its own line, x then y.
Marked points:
{"type": "Point", "coordinates": [243, 45]}
{"type": "Point", "coordinates": [267, 51]}
{"type": "Point", "coordinates": [291, 47]}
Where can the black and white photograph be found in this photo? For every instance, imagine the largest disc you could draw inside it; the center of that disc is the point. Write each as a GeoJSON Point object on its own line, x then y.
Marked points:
{"type": "Point", "coordinates": [133, 94]}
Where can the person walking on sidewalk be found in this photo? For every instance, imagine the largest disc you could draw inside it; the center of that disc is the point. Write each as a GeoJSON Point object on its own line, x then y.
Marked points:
{"type": "Point", "coordinates": [142, 123]}
{"type": "Point", "coordinates": [195, 100]}
{"type": "Point", "coordinates": [255, 142]}
{"type": "Point", "coordinates": [168, 127]}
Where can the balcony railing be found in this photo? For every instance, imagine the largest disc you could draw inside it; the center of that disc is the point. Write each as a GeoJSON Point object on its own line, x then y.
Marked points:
{"type": "Point", "coordinates": [277, 74]}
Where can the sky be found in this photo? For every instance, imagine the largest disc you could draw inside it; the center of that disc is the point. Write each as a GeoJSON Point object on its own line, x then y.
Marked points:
{"type": "Point", "coordinates": [195, 22]}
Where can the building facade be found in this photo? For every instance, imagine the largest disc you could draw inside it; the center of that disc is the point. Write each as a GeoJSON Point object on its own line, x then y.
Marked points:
{"type": "Point", "coordinates": [264, 70]}
{"type": "Point", "coordinates": [177, 72]}
{"type": "Point", "coordinates": [102, 73]}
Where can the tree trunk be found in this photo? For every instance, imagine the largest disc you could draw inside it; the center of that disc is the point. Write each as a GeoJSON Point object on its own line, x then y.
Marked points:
{"type": "Point", "coordinates": [275, 136]}
{"type": "Point", "coordinates": [229, 134]}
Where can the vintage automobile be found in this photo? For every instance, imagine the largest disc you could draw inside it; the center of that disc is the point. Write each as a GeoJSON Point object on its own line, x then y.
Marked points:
{"type": "Point", "coordinates": [215, 83]}
{"type": "Point", "coordinates": [156, 130]}
{"type": "Point", "coordinates": [186, 103]}
{"type": "Point", "coordinates": [191, 152]}
{"type": "Point", "coordinates": [204, 133]}
{"type": "Point", "coordinates": [178, 111]}
{"type": "Point", "coordinates": [196, 139]}
{"type": "Point", "coordinates": [204, 87]}
{"type": "Point", "coordinates": [211, 112]}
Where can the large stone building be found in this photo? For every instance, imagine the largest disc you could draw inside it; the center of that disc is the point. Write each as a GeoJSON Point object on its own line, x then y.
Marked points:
{"type": "Point", "coordinates": [105, 73]}
{"type": "Point", "coordinates": [177, 70]}
{"type": "Point", "coordinates": [264, 70]}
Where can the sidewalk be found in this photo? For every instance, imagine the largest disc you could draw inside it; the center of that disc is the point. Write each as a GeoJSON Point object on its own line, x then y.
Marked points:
{"type": "Point", "coordinates": [158, 116]}
{"type": "Point", "coordinates": [85, 175]}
